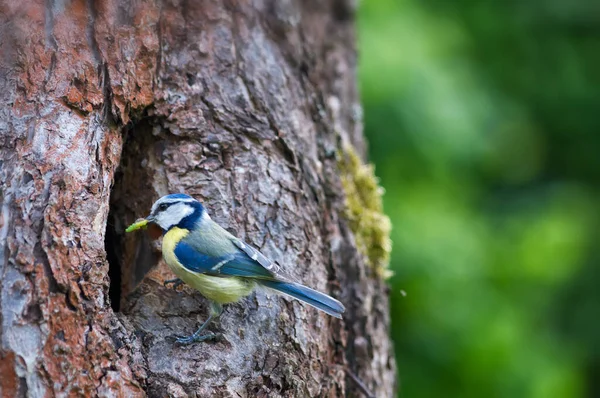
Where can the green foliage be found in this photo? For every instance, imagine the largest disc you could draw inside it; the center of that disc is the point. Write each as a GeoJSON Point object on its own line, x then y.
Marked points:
{"type": "Point", "coordinates": [481, 119]}
{"type": "Point", "coordinates": [364, 210]}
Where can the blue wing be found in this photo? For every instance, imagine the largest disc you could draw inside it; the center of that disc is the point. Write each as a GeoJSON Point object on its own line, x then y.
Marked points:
{"type": "Point", "coordinates": [195, 261]}
{"type": "Point", "coordinates": [235, 264]}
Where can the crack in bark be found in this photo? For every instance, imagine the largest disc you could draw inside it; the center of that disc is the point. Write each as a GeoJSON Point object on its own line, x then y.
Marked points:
{"type": "Point", "coordinates": [50, 70]}
{"type": "Point", "coordinates": [107, 105]}
{"type": "Point", "coordinates": [159, 53]}
{"type": "Point", "coordinates": [91, 32]}
{"type": "Point", "coordinates": [49, 24]}
{"type": "Point", "coordinates": [103, 72]}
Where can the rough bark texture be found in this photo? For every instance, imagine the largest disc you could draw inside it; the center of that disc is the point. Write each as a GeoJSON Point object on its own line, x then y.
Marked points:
{"type": "Point", "coordinates": [107, 105]}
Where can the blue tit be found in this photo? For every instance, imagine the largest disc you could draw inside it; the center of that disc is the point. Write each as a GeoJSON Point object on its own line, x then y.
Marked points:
{"type": "Point", "coordinates": [217, 264]}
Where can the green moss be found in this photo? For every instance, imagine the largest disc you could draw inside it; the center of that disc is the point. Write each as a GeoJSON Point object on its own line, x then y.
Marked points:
{"type": "Point", "coordinates": [364, 210]}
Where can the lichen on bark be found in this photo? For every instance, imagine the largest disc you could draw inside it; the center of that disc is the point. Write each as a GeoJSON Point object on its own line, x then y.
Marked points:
{"type": "Point", "coordinates": [364, 210]}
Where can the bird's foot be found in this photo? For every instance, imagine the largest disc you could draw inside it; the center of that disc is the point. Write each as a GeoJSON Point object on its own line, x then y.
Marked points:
{"type": "Point", "coordinates": [194, 338]}
{"type": "Point", "coordinates": [198, 337]}
{"type": "Point", "coordinates": [176, 283]}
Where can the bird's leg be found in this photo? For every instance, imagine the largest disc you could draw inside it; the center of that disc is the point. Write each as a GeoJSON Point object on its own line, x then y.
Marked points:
{"type": "Point", "coordinates": [197, 337]}
{"type": "Point", "coordinates": [176, 283]}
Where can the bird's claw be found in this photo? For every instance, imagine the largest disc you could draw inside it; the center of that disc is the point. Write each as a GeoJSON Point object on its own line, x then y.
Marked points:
{"type": "Point", "coordinates": [186, 340]}
{"type": "Point", "coordinates": [198, 337]}
{"type": "Point", "coordinates": [176, 283]}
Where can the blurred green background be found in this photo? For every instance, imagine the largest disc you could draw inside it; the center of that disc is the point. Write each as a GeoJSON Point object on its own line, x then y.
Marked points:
{"type": "Point", "coordinates": [483, 120]}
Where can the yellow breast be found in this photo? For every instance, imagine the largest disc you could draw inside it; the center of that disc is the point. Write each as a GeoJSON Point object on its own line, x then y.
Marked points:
{"type": "Point", "coordinates": [220, 289]}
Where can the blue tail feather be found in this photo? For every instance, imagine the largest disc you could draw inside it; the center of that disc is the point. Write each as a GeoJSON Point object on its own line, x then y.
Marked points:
{"type": "Point", "coordinates": [312, 297]}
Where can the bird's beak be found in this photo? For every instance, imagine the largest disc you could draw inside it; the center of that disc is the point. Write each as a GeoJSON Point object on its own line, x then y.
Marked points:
{"type": "Point", "coordinates": [141, 223]}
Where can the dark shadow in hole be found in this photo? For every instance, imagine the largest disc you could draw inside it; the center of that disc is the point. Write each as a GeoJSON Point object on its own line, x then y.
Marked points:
{"type": "Point", "coordinates": [131, 256]}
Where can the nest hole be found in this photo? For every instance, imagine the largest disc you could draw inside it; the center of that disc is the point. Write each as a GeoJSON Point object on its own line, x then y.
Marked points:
{"type": "Point", "coordinates": [131, 256]}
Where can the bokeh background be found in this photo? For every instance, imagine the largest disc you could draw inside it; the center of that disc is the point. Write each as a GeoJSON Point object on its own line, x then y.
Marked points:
{"type": "Point", "coordinates": [483, 120]}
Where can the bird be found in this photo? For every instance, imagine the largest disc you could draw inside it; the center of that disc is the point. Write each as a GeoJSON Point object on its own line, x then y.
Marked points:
{"type": "Point", "coordinates": [223, 268]}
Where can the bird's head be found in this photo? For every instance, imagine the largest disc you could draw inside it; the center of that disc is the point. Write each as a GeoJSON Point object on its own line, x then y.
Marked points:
{"type": "Point", "coordinates": [175, 210]}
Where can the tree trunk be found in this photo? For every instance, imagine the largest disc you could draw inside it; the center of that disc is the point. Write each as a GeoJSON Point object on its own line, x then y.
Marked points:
{"type": "Point", "coordinates": [106, 106]}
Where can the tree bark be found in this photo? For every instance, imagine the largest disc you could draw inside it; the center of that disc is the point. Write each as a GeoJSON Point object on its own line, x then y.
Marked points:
{"type": "Point", "coordinates": [106, 106]}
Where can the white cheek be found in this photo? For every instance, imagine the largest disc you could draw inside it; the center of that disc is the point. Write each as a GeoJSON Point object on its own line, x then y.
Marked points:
{"type": "Point", "coordinates": [163, 221]}
{"type": "Point", "coordinates": [173, 215]}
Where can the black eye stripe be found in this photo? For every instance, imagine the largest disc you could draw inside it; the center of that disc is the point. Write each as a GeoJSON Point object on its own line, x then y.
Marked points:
{"type": "Point", "coordinates": [163, 207]}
